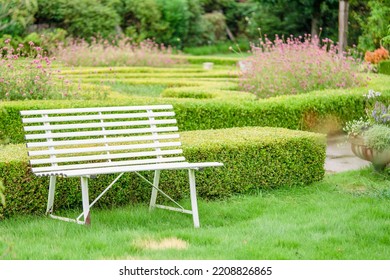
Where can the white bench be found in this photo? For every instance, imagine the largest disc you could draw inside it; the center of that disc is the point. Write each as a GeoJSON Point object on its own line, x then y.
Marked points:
{"type": "Point", "coordinates": [85, 142]}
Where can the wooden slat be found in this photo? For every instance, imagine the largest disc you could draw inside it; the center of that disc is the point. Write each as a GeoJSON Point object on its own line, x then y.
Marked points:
{"type": "Point", "coordinates": [95, 109]}
{"type": "Point", "coordinates": [97, 125]}
{"type": "Point", "coordinates": [104, 157]}
{"type": "Point", "coordinates": [97, 149]}
{"type": "Point", "coordinates": [107, 164]}
{"type": "Point", "coordinates": [100, 133]}
{"type": "Point", "coordinates": [102, 140]}
{"type": "Point", "coordinates": [96, 117]}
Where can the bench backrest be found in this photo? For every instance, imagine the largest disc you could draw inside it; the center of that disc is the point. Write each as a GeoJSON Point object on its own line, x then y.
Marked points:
{"type": "Point", "coordinates": [70, 139]}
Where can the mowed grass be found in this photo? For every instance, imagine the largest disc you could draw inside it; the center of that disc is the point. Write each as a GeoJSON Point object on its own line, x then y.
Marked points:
{"type": "Point", "coordinates": [346, 216]}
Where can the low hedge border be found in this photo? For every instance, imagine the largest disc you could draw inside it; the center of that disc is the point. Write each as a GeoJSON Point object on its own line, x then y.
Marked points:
{"type": "Point", "coordinates": [254, 158]}
{"type": "Point", "coordinates": [308, 112]}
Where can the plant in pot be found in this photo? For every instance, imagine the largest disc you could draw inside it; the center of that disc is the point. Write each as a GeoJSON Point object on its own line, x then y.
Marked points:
{"type": "Point", "coordinates": [370, 136]}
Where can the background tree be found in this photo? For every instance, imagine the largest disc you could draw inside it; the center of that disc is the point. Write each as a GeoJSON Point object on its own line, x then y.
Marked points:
{"type": "Point", "coordinates": [81, 18]}
{"type": "Point", "coordinates": [343, 24]}
{"type": "Point", "coordinates": [297, 17]}
{"type": "Point", "coordinates": [375, 24]}
{"type": "Point", "coordinates": [16, 15]}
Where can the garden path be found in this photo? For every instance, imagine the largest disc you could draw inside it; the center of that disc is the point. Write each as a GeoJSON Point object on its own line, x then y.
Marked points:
{"type": "Point", "coordinates": [339, 156]}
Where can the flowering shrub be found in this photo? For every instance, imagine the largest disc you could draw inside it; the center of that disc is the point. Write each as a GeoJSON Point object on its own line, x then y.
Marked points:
{"type": "Point", "coordinates": [375, 127]}
{"type": "Point", "coordinates": [376, 56]}
{"type": "Point", "coordinates": [297, 65]}
{"type": "Point", "coordinates": [377, 112]}
{"type": "Point", "coordinates": [121, 52]}
{"type": "Point", "coordinates": [24, 76]}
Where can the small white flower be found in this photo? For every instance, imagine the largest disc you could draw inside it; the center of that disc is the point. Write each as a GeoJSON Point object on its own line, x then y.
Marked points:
{"type": "Point", "coordinates": [372, 94]}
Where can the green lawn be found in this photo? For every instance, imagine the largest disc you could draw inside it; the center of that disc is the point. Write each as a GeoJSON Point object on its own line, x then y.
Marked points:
{"type": "Point", "coordinates": [346, 216]}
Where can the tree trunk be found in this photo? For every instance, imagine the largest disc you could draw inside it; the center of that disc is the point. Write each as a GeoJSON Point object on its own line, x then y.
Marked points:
{"type": "Point", "coordinates": [316, 17]}
{"type": "Point", "coordinates": [343, 24]}
{"type": "Point", "coordinates": [314, 27]}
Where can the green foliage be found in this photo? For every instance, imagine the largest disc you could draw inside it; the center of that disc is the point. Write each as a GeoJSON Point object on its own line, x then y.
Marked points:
{"type": "Point", "coordinates": [285, 17]}
{"type": "Point", "coordinates": [2, 197]}
{"type": "Point", "coordinates": [173, 22]}
{"type": "Point", "coordinates": [384, 67]}
{"type": "Point", "coordinates": [215, 24]}
{"type": "Point", "coordinates": [375, 26]}
{"type": "Point", "coordinates": [16, 15]}
{"type": "Point", "coordinates": [176, 15]}
{"type": "Point", "coordinates": [378, 137]}
{"type": "Point", "coordinates": [196, 27]}
{"type": "Point", "coordinates": [385, 41]}
{"type": "Point", "coordinates": [254, 159]}
{"type": "Point", "coordinates": [142, 20]}
{"type": "Point", "coordinates": [219, 48]}
{"type": "Point", "coordinates": [71, 15]}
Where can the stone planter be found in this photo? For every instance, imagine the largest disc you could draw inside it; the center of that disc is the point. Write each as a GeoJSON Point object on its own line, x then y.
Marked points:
{"type": "Point", "coordinates": [378, 159]}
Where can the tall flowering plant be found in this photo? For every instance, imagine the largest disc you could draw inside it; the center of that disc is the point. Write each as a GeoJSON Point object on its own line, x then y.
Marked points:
{"type": "Point", "coordinates": [297, 65]}
{"type": "Point", "coordinates": [24, 75]}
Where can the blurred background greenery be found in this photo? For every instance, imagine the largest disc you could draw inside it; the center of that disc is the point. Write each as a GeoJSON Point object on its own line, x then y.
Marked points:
{"type": "Point", "coordinates": [213, 25]}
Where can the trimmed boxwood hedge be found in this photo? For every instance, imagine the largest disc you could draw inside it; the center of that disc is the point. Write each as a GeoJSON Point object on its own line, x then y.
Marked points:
{"type": "Point", "coordinates": [254, 158]}
{"type": "Point", "coordinates": [305, 112]}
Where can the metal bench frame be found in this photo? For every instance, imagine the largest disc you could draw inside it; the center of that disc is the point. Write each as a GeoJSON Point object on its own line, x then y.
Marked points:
{"type": "Point", "coordinates": [86, 142]}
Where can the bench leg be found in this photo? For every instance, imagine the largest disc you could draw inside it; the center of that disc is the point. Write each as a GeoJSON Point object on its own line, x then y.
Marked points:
{"type": "Point", "coordinates": [85, 198]}
{"type": "Point", "coordinates": [194, 203]}
{"type": "Point", "coordinates": [50, 200]}
{"type": "Point", "coordinates": [153, 197]}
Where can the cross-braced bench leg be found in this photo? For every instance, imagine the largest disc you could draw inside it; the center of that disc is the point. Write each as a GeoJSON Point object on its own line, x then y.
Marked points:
{"type": "Point", "coordinates": [50, 200]}
{"type": "Point", "coordinates": [194, 203]}
{"type": "Point", "coordinates": [153, 197]}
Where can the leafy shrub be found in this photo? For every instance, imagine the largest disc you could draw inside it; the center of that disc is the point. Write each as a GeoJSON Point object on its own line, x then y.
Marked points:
{"type": "Point", "coordinates": [142, 19]}
{"type": "Point", "coordinates": [123, 52]}
{"type": "Point", "coordinates": [16, 15]}
{"type": "Point", "coordinates": [215, 24]}
{"type": "Point", "coordinates": [297, 65]}
{"type": "Point", "coordinates": [172, 22]}
{"type": "Point", "coordinates": [378, 137]}
{"type": "Point", "coordinates": [2, 197]}
{"type": "Point", "coordinates": [385, 41]}
{"type": "Point", "coordinates": [71, 15]}
{"type": "Point", "coordinates": [384, 67]}
{"type": "Point", "coordinates": [176, 16]}
{"type": "Point", "coordinates": [254, 158]}
{"type": "Point", "coordinates": [376, 56]}
{"type": "Point", "coordinates": [375, 25]}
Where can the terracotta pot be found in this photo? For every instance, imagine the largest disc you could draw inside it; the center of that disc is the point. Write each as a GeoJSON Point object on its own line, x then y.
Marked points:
{"type": "Point", "coordinates": [378, 159]}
